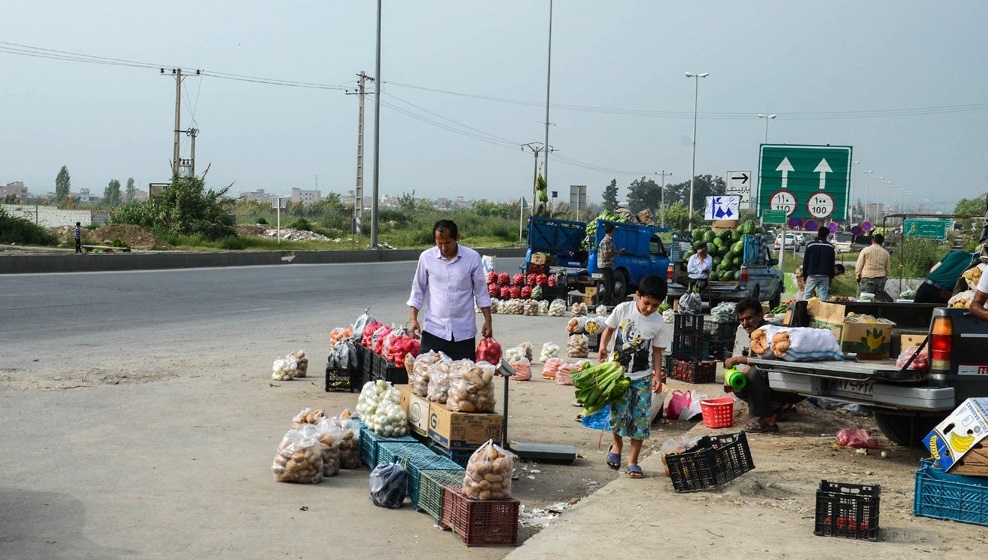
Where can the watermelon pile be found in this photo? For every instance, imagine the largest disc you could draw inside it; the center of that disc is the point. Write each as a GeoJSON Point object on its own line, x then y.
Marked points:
{"type": "Point", "coordinates": [726, 248]}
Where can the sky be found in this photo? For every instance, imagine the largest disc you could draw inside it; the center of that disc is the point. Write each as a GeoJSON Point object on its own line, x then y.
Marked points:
{"type": "Point", "coordinates": [464, 87]}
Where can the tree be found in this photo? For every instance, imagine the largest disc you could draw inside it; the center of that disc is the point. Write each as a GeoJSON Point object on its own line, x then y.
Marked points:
{"type": "Point", "coordinates": [62, 184]}
{"type": "Point", "coordinates": [111, 194]}
{"type": "Point", "coordinates": [677, 216]}
{"type": "Point", "coordinates": [643, 193]}
{"type": "Point", "coordinates": [970, 207]}
{"type": "Point", "coordinates": [186, 208]}
{"type": "Point", "coordinates": [406, 201]}
{"type": "Point", "coordinates": [131, 190]}
{"type": "Point", "coordinates": [611, 196]}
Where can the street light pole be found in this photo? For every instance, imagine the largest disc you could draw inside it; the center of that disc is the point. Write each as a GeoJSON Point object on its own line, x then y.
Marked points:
{"type": "Point", "coordinates": [696, 97]}
{"type": "Point", "coordinates": [767, 118]}
{"type": "Point", "coordinates": [662, 197]}
{"type": "Point", "coordinates": [867, 193]}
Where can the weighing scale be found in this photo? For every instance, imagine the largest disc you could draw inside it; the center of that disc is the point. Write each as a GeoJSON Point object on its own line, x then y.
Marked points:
{"type": "Point", "coordinates": [540, 452]}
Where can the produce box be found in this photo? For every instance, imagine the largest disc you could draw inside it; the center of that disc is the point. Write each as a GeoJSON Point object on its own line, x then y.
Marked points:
{"type": "Point", "coordinates": [480, 523]}
{"type": "Point", "coordinates": [867, 340]}
{"type": "Point", "coordinates": [342, 379]}
{"type": "Point", "coordinates": [950, 496]}
{"type": "Point", "coordinates": [590, 295]}
{"type": "Point", "coordinates": [693, 371]}
{"type": "Point", "coordinates": [462, 430]}
{"type": "Point", "coordinates": [847, 510]}
{"type": "Point", "coordinates": [417, 409]}
{"type": "Point", "coordinates": [957, 442]}
{"type": "Point", "coordinates": [538, 258]}
{"type": "Point", "coordinates": [713, 461]}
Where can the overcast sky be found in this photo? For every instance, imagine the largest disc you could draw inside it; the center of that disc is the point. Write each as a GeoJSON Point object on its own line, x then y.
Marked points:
{"type": "Point", "coordinates": [904, 83]}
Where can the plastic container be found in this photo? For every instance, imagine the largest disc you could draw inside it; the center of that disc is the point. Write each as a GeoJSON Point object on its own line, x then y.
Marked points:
{"type": "Point", "coordinates": [713, 461]}
{"type": "Point", "coordinates": [737, 380]}
{"type": "Point", "coordinates": [480, 523]}
{"type": "Point", "coordinates": [343, 380]}
{"type": "Point", "coordinates": [955, 497]}
{"type": "Point", "coordinates": [693, 371]}
{"type": "Point", "coordinates": [847, 510]}
{"type": "Point", "coordinates": [718, 413]}
{"type": "Point", "coordinates": [431, 483]}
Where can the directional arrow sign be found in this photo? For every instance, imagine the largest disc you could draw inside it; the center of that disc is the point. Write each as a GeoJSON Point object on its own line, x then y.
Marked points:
{"type": "Point", "coordinates": [809, 182]}
{"type": "Point", "coordinates": [739, 184]}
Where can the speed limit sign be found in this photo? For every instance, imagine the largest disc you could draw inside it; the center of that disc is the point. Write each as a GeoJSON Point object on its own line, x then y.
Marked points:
{"type": "Point", "coordinates": [783, 200]}
{"type": "Point", "coordinates": [820, 205]}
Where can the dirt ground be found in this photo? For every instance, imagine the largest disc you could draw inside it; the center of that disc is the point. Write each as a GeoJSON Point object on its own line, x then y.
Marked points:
{"type": "Point", "coordinates": [166, 453]}
{"type": "Point", "coordinates": [135, 237]}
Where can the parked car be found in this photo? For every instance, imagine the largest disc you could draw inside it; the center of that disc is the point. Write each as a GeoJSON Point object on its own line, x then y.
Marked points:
{"type": "Point", "coordinates": [842, 242]}
{"type": "Point", "coordinates": [792, 242]}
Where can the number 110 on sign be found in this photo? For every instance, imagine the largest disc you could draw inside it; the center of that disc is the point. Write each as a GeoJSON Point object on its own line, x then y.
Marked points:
{"type": "Point", "coordinates": [783, 200]}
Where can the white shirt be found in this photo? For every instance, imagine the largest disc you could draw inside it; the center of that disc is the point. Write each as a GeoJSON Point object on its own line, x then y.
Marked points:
{"type": "Point", "coordinates": [983, 283]}
{"type": "Point", "coordinates": [453, 286]}
{"type": "Point", "coordinates": [698, 269]}
{"type": "Point", "coordinates": [641, 333]}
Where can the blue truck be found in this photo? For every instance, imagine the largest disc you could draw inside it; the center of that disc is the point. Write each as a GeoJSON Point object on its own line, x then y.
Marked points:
{"type": "Point", "coordinates": [567, 249]}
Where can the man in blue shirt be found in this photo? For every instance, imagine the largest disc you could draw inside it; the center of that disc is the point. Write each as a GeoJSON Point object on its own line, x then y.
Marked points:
{"type": "Point", "coordinates": [453, 277]}
{"type": "Point", "coordinates": [818, 265]}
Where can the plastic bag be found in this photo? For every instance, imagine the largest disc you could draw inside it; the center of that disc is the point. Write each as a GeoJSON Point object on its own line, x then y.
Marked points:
{"type": "Point", "coordinates": [693, 410]}
{"type": "Point", "coordinates": [488, 473]}
{"type": "Point", "coordinates": [922, 361]}
{"type": "Point", "coordinates": [361, 323]}
{"type": "Point", "coordinates": [388, 485]}
{"type": "Point", "coordinates": [551, 368]}
{"type": "Point", "coordinates": [856, 437]}
{"type": "Point", "coordinates": [523, 370]}
{"type": "Point", "coordinates": [678, 401]}
{"type": "Point", "coordinates": [349, 440]}
{"type": "Point", "coordinates": [488, 350]}
{"type": "Point", "coordinates": [299, 458]}
{"type": "Point", "coordinates": [329, 434]}
{"type": "Point", "coordinates": [598, 420]}
{"type": "Point", "coordinates": [672, 446]}
{"type": "Point", "coordinates": [658, 399]}
{"type": "Point", "coordinates": [438, 387]}
{"type": "Point", "coordinates": [690, 303]}
{"type": "Point", "coordinates": [471, 387]}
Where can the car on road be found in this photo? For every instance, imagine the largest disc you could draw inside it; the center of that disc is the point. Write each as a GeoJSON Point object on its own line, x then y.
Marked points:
{"type": "Point", "coordinates": [792, 241]}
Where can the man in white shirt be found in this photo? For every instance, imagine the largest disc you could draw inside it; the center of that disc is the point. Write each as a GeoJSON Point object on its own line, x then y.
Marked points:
{"type": "Point", "coordinates": [699, 266]}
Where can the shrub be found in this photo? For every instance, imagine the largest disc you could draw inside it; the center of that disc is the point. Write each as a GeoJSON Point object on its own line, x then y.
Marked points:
{"type": "Point", "coordinates": [302, 224]}
{"type": "Point", "coordinates": [262, 221]}
{"type": "Point", "coordinates": [14, 229]}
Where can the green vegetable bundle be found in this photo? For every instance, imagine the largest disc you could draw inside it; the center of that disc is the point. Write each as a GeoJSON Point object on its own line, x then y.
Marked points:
{"type": "Point", "coordinates": [600, 385]}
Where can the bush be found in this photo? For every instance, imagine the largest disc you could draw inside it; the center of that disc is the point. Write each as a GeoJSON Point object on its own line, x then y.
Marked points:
{"type": "Point", "coordinates": [916, 256]}
{"type": "Point", "coordinates": [233, 243]}
{"type": "Point", "coordinates": [302, 224]}
{"type": "Point", "coordinates": [186, 208]}
{"type": "Point", "coordinates": [19, 230]}
{"type": "Point", "coordinates": [262, 221]}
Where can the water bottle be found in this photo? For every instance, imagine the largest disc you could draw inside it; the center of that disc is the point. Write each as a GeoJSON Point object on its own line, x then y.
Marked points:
{"type": "Point", "coordinates": [734, 379]}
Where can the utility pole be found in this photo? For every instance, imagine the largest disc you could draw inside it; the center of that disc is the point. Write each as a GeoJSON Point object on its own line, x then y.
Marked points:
{"type": "Point", "coordinates": [358, 193]}
{"type": "Point", "coordinates": [537, 148]}
{"type": "Point", "coordinates": [662, 197]}
{"type": "Point", "coordinates": [177, 72]}
{"type": "Point", "coordinates": [377, 132]}
{"type": "Point", "coordinates": [191, 162]}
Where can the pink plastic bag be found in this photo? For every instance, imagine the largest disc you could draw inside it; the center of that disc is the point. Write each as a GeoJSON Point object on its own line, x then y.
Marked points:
{"type": "Point", "coordinates": [676, 403]}
{"type": "Point", "coordinates": [856, 437]}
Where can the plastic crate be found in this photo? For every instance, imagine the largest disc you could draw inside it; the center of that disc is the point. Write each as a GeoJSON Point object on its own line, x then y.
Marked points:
{"type": "Point", "coordinates": [593, 342]}
{"type": "Point", "coordinates": [687, 336]}
{"type": "Point", "coordinates": [955, 497]}
{"type": "Point", "coordinates": [371, 441]}
{"type": "Point", "coordinates": [847, 510]}
{"type": "Point", "coordinates": [693, 371]}
{"type": "Point", "coordinates": [430, 498]}
{"type": "Point", "coordinates": [342, 380]}
{"type": "Point", "coordinates": [718, 413]}
{"type": "Point", "coordinates": [418, 458]}
{"type": "Point", "coordinates": [366, 362]}
{"type": "Point", "coordinates": [460, 457]}
{"type": "Point", "coordinates": [713, 461]}
{"type": "Point", "coordinates": [480, 523]}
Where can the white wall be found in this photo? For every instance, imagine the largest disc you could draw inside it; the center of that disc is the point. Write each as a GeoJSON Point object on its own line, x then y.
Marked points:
{"type": "Point", "coordinates": [49, 216]}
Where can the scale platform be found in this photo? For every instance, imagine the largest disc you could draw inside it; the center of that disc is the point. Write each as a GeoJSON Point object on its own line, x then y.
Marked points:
{"type": "Point", "coordinates": [544, 452]}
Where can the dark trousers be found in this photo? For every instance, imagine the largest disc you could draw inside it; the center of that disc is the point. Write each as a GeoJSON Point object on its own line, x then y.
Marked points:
{"type": "Point", "coordinates": [608, 296]}
{"type": "Point", "coordinates": [926, 293]}
{"type": "Point", "coordinates": [763, 400]}
{"type": "Point", "coordinates": [78, 245]}
{"type": "Point", "coordinates": [457, 350]}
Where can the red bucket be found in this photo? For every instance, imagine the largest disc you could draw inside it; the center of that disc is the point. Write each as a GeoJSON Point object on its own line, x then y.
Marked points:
{"type": "Point", "coordinates": [718, 413]}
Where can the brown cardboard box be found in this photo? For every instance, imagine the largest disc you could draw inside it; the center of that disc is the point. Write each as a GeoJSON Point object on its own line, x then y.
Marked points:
{"type": "Point", "coordinates": [538, 258]}
{"type": "Point", "coordinates": [590, 295]}
{"type": "Point", "coordinates": [462, 430]}
{"type": "Point", "coordinates": [867, 340]}
{"type": "Point", "coordinates": [416, 408]}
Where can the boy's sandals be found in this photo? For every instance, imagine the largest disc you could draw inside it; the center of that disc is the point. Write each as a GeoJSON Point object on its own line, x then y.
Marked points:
{"type": "Point", "coordinates": [760, 427]}
{"type": "Point", "coordinates": [634, 471]}
{"type": "Point", "coordinates": [613, 459]}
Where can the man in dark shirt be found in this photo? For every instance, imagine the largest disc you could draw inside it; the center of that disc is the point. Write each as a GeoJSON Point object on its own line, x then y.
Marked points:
{"type": "Point", "coordinates": [818, 265]}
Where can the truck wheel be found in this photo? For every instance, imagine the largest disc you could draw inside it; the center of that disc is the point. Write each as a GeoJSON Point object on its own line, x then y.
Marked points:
{"type": "Point", "coordinates": [905, 430]}
{"type": "Point", "coordinates": [620, 287]}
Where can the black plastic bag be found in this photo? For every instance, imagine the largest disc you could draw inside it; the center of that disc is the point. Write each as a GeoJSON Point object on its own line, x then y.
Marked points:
{"type": "Point", "coordinates": [388, 485]}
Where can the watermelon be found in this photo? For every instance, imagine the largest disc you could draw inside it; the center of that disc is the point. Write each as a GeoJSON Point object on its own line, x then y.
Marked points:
{"type": "Point", "coordinates": [736, 261]}
{"type": "Point", "coordinates": [719, 242]}
{"type": "Point", "coordinates": [737, 248]}
{"type": "Point", "coordinates": [687, 255]}
{"type": "Point", "coordinates": [697, 234]}
{"type": "Point", "coordinates": [709, 236]}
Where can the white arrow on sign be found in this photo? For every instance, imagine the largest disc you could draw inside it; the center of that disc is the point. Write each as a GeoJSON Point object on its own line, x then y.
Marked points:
{"type": "Point", "coordinates": [785, 167]}
{"type": "Point", "coordinates": [823, 168]}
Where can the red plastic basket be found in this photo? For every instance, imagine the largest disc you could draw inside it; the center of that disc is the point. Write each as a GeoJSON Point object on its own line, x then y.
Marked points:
{"type": "Point", "coordinates": [718, 413]}
{"type": "Point", "coordinates": [480, 523]}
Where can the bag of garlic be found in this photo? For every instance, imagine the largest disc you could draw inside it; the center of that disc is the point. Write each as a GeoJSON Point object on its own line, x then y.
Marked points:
{"type": "Point", "coordinates": [488, 473]}
{"type": "Point", "coordinates": [299, 457]}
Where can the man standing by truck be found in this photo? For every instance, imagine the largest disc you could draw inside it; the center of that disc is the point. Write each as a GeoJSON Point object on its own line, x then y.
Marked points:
{"type": "Point", "coordinates": [605, 263]}
{"type": "Point", "coordinates": [818, 265]}
{"type": "Point", "coordinates": [872, 268]}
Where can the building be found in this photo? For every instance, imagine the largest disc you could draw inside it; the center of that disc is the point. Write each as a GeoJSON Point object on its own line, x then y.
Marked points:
{"type": "Point", "coordinates": [300, 196]}
{"type": "Point", "coordinates": [15, 189]}
{"type": "Point", "coordinates": [258, 195]}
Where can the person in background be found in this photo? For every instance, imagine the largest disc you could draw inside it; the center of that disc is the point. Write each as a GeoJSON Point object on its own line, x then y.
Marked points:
{"type": "Point", "coordinates": [605, 263]}
{"type": "Point", "coordinates": [764, 403]}
{"type": "Point", "coordinates": [78, 237]}
{"type": "Point", "coordinates": [980, 297]}
{"type": "Point", "coordinates": [642, 336]}
{"type": "Point", "coordinates": [819, 260]}
{"type": "Point", "coordinates": [699, 266]}
{"type": "Point", "coordinates": [872, 268]}
{"type": "Point", "coordinates": [452, 276]}
{"type": "Point", "coordinates": [939, 283]}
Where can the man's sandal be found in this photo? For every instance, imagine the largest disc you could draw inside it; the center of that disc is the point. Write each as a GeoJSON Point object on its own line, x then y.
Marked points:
{"type": "Point", "coordinates": [634, 471]}
{"type": "Point", "coordinates": [759, 427]}
{"type": "Point", "coordinates": [613, 459]}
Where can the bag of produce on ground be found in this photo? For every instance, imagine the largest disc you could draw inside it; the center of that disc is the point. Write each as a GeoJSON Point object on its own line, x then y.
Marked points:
{"type": "Point", "coordinates": [471, 387]}
{"type": "Point", "coordinates": [349, 440]}
{"type": "Point", "coordinates": [551, 368]}
{"type": "Point", "coordinates": [488, 350]}
{"type": "Point", "coordinates": [388, 485]}
{"type": "Point", "coordinates": [577, 346]}
{"type": "Point", "coordinates": [301, 362]}
{"type": "Point", "coordinates": [514, 354]}
{"type": "Point", "coordinates": [579, 309]}
{"type": "Point", "coordinates": [523, 369]}
{"type": "Point", "coordinates": [379, 405]}
{"type": "Point", "coordinates": [549, 350]}
{"type": "Point", "coordinates": [576, 325]}
{"type": "Point", "coordinates": [329, 435]}
{"type": "Point", "coordinates": [488, 473]}
{"type": "Point", "coordinates": [594, 325]}
{"type": "Point", "coordinates": [527, 346]}
{"type": "Point", "coordinates": [338, 334]}
{"type": "Point", "coordinates": [544, 307]}
{"type": "Point", "coordinates": [601, 311]}
{"type": "Point", "coordinates": [438, 372]}
{"type": "Point", "coordinates": [516, 306]}
{"type": "Point", "coordinates": [557, 308]}
{"type": "Point", "coordinates": [299, 458]}
{"type": "Point", "coordinates": [308, 416]}
{"type": "Point", "coordinates": [531, 308]}
{"type": "Point", "coordinates": [564, 375]}
{"type": "Point", "coordinates": [283, 369]}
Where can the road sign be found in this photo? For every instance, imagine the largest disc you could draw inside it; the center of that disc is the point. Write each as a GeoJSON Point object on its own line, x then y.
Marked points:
{"type": "Point", "coordinates": [739, 184]}
{"type": "Point", "coordinates": [722, 208]}
{"type": "Point", "coordinates": [811, 182]}
{"type": "Point", "coordinates": [774, 216]}
{"type": "Point", "coordinates": [930, 229]}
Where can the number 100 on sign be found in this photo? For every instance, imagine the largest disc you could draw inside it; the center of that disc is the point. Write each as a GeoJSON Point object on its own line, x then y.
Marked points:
{"type": "Point", "coordinates": [820, 205]}
{"type": "Point", "coordinates": [783, 200]}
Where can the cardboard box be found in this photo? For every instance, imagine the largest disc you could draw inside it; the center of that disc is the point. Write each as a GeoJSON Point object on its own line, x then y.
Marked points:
{"type": "Point", "coordinates": [590, 295]}
{"type": "Point", "coordinates": [867, 340]}
{"type": "Point", "coordinates": [461, 430]}
{"type": "Point", "coordinates": [538, 258]}
{"type": "Point", "coordinates": [953, 439]}
{"type": "Point", "coordinates": [416, 408]}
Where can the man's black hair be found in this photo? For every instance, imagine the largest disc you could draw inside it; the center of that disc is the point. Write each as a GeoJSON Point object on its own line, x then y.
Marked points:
{"type": "Point", "coordinates": [653, 286]}
{"type": "Point", "coordinates": [878, 239]}
{"type": "Point", "coordinates": [748, 304]}
{"type": "Point", "coordinates": [823, 233]}
{"type": "Point", "coordinates": [839, 268]}
{"type": "Point", "coordinates": [448, 226]}
{"type": "Point", "coordinates": [608, 228]}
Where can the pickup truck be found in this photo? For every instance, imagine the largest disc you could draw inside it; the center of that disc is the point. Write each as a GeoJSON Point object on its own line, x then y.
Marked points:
{"type": "Point", "coordinates": [758, 278]}
{"type": "Point", "coordinates": [573, 254]}
{"type": "Point", "coordinates": [906, 403]}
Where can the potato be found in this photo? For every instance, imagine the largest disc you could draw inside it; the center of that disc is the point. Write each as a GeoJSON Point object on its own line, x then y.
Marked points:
{"type": "Point", "coordinates": [485, 495]}
{"type": "Point", "coordinates": [466, 405]}
{"type": "Point", "coordinates": [491, 477]}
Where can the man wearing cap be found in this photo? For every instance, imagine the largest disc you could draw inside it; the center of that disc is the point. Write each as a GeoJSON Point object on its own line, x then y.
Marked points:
{"type": "Point", "coordinates": [699, 266]}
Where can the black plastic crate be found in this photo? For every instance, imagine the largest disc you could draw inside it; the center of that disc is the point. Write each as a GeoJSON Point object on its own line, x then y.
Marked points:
{"type": "Point", "coordinates": [687, 337]}
{"type": "Point", "coordinates": [713, 461]}
{"type": "Point", "coordinates": [343, 380]}
{"type": "Point", "coordinates": [847, 510]}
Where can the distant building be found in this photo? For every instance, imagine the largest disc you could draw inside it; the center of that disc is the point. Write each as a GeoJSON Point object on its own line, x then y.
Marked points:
{"type": "Point", "coordinates": [300, 196]}
{"type": "Point", "coordinates": [347, 200]}
{"type": "Point", "coordinates": [258, 195]}
{"type": "Point", "coordinates": [85, 197]}
{"type": "Point", "coordinates": [16, 189]}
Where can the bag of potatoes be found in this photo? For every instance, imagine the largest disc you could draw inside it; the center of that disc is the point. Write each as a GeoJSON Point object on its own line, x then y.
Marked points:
{"type": "Point", "coordinates": [488, 473]}
{"type": "Point", "coordinates": [471, 387]}
{"type": "Point", "coordinates": [299, 458]}
{"type": "Point", "coordinates": [329, 434]}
